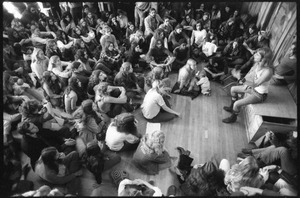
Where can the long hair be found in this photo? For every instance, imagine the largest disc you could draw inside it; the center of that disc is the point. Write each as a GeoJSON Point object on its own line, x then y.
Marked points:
{"type": "Point", "coordinates": [48, 156]}
{"type": "Point", "coordinates": [67, 13]}
{"type": "Point", "coordinates": [267, 55]}
{"type": "Point", "coordinates": [52, 62]}
{"type": "Point", "coordinates": [245, 173]}
{"type": "Point", "coordinates": [153, 142]}
{"type": "Point", "coordinates": [30, 106]}
{"type": "Point", "coordinates": [94, 78]}
{"type": "Point", "coordinates": [157, 33]}
{"type": "Point", "coordinates": [59, 34]}
{"type": "Point", "coordinates": [50, 44]}
{"type": "Point", "coordinates": [34, 55]}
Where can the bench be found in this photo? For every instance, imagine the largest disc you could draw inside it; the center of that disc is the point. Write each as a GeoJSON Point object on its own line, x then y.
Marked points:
{"type": "Point", "coordinates": [278, 113]}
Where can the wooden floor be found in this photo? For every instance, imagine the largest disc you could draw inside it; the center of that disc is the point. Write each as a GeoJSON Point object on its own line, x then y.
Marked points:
{"type": "Point", "coordinates": [199, 129]}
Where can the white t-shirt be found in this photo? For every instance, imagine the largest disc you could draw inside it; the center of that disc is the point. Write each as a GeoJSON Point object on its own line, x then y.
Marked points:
{"type": "Point", "coordinates": [209, 49]}
{"type": "Point", "coordinates": [115, 140]}
{"type": "Point", "coordinates": [152, 104]}
{"type": "Point", "coordinates": [199, 36]}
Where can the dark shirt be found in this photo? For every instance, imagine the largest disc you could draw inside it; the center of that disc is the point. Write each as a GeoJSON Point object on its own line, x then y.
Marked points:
{"type": "Point", "coordinates": [159, 55]}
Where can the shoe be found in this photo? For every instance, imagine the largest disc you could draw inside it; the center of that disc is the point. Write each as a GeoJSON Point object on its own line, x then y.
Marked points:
{"type": "Point", "coordinates": [247, 151]}
{"type": "Point", "coordinates": [230, 119]}
{"type": "Point", "coordinates": [228, 109]}
{"type": "Point", "coordinates": [172, 190]}
{"type": "Point", "coordinates": [182, 151]}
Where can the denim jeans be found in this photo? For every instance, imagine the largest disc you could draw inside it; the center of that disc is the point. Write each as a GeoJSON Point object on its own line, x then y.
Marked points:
{"type": "Point", "coordinates": [271, 154]}
{"type": "Point", "coordinates": [253, 97]}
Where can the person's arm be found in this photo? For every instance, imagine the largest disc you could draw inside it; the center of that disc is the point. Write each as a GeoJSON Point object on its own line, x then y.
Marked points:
{"type": "Point", "coordinates": [266, 76]}
{"type": "Point", "coordinates": [48, 34]}
{"type": "Point", "coordinates": [62, 74]}
{"type": "Point", "coordinates": [167, 109]}
{"type": "Point", "coordinates": [39, 40]}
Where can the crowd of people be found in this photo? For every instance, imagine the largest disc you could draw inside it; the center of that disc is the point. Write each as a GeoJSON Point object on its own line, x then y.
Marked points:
{"type": "Point", "coordinates": [71, 81]}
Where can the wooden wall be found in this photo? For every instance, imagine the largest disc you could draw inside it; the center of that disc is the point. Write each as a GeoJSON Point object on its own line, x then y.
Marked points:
{"type": "Point", "coordinates": [281, 19]}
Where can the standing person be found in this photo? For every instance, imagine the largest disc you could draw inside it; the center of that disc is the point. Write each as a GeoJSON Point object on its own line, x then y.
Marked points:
{"type": "Point", "coordinates": [156, 107]}
{"type": "Point", "coordinates": [139, 13]}
{"type": "Point", "coordinates": [151, 156]}
{"type": "Point", "coordinates": [258, 79]}
{"type": "Point", "coordinates": [122, 133]}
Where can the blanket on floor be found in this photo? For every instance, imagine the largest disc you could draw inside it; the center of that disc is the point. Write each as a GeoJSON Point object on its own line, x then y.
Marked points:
{"type": "Point", "coordinates": [184, 91]}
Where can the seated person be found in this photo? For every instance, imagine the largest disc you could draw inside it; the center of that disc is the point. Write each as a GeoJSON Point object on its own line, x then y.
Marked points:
{"type": "Point", "coordinates": [177, 37]}
{"type": "Point", "coordinates": [111, 99]}
{"type": "Point", "coordinates": [261, 39]}
{"type": "Point", "coordinates": [201, 179]}
{"type": "Point", "coordinates": [203, 82]}
{"type": "Point", "coordinates": [151, 156]}
{"type": "Point", "coordinates": [136, 56]}
{"type": "Point", "coordinates": [156, 107]}
{"type": "Point", "coordinates": [122, 133]}
{"type": "Point", "coordinates": [234, 53]}
{"type": "Point", "coordinates": [133, 85]}
{"type": "Point", "coordinates": [138, 187]}
{"type": "Point", "coordinates": [182, 54]}
{"type": "Point", "coordinates": [186, 81]}
{"type": "Point", "coordinates": [208, 50]}
{"type": "Point", "coordinates": [161, 57]}
{"type": "Point", "coordinates": [188, 24]}
{"type": "Point", "coordinates": [38, 38]}
{"type": "Point", "coordinates": [286, 71]}
{"type": "Point", "coordinates": [34, 140]}
{"type": "Point", "coordinates": [58, 168]}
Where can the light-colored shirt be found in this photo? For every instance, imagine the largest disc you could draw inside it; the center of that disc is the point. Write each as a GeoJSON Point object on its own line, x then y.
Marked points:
{"type": "Point", "coordinates": [209, 49]}
{"type": "Point", "coordinates": [152, 104]}
{"type": "Point", "coordinates": [115, 139]}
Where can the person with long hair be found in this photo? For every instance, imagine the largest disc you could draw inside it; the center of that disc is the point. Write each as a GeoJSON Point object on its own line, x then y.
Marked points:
{"type": "Point", "coordinates": [52, 25]}
{"type": "Point", "coordinates": [87, 121]}
{"type": "Point", "coordinates": [136, 56]}
{"type": "Point", "coordinates": [58, 168]}
{"type": "Point", "coordinates": [52, 49]}
{"type": "Point", "coordinates": [156, 107]}
{"type": "Point", "coordinates": [65, 44]}
{"type": "Point", "coordinates": [39, 62]}
{"type": "Point", "coordinates": [67, 23]}
{"type": "Point", "coordinates": [110, 57]}
{"type": "Point", "coordinates": [151, 156]}
{"type": "Point", "coordinates": [108, 37]}
{"type": "Point", "coordinates": [56, 66]}
{"type": "Point", "coordinates": [114, 24]}
{"type": "Point", "coordinates": [158, 34]}
{"type": "Point", "coordinates": [245, 173]}
{"type": "Point", "coordinates": [122, 133]}
{"type": "Point", "coordinates": [93, 81]}
{"type": "Point", "coordinates": [198, 36]}
{"type": "Point", "coordinates": [256, 85]}
{"type": "Point", "coordinates": [74, 94]}
{"type": "Point", "coordinates": [53, 87]}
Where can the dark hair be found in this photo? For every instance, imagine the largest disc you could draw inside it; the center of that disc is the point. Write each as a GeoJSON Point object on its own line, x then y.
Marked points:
{"type": "Point", "coordinates": [157, 33]}
{"type": "Point", "coordinates": [179, 26]}
{"type": "Point", "coordinates": [23, 128]}
{"type": "Point", "coordinates": [59, 34]}
{"type": "Point", "coordinates": [79, 55]}
{"type": "Point", "coordinates": [152, 9]}
{"type": "Point", "coordinates": [64, 15]}
{"type": "Point", "coordinates": [125, 123]}
{"type": "Point", "coordinates": [48, 156]}
{"type": "Point", "coordinates": [30, 106]}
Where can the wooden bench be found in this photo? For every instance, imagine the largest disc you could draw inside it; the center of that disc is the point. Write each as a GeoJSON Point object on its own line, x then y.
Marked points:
{"type": "Point", "coordinates": [278, 113]}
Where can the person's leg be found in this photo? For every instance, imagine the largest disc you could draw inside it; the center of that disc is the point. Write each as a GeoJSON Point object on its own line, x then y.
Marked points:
{"type": "Point", "coordinates": [72, 162]}
{"type": "Point", "coordinates": [162, 117]}
{"type": "Point", "coordinates": [116, 109]}
{"type": "Point", "coordinates": [136, 17]}
{"type": "Point", "coordinates": [112, 159]}
{"type": "Point", "coordinates": [102, 67]}
{"type": "Point", "coordinates": [271, 154]}
{"type": "Point", "coordinates": [249, 99]}
{"type": "Point", "coordinates": [129, 147]}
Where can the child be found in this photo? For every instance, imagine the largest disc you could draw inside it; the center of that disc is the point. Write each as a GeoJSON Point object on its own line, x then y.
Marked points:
{"type": "Point", "coordinates": [204, 83]}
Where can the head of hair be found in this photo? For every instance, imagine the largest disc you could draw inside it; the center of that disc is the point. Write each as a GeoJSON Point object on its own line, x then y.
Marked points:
{"type": "Point", "coordinates": [30, 106]}
{"type": "Point", "coordinates": [48, 156]}
{"type": "Point", "coordinates": [246, 173]}
{"type": "Point", "coordinates": [158, 32]}
{"type": "Point", "coordinates": [75, 65]}
{"type": "Point", "coordinates": [102, 88]}
{"type": "Point", "coordinates": [179, 26]}
{"type": "Point", "coordinates": [164, 87]}
{"type": "Point", "coordinates": [152, 9]}
{"type": "Point", "coordinates": [125, 67]}
{"type": "Point", "coordinates": [64, 15]}
{"type": "Point", "coordinates": [125, 123]}
{"type": "Point", "coordinates": [50, 44]}
{"type": "Point", "coordinates": [23, 128]}
{"type": "Point", "coordinates": [80, 55]}
{"type": "Point", "coordinates": [94, 78]}
{"type": "Point", "coordinates": [154, 142]}
{"type": "Point", "coordinates": [266, 55]}
{"type": "Point", "coordinates": [52, 62]}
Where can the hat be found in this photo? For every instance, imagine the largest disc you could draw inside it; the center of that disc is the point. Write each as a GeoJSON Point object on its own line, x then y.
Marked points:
{"type": "Point", "coordinates": [124, 118]}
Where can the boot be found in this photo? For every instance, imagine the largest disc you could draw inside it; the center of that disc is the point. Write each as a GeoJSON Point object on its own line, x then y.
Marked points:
{"type": "Point", "coordinates": [229, 109]}
{"type": "Point", "coordinates": [230, 119]}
